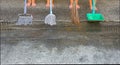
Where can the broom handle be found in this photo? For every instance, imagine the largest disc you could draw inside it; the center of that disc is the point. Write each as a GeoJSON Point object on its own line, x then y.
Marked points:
{"type": "Point", "coordinates": [93, 6]}
{"type": "Point", "coordinates": [25, 6]}
{"type": "Point", "coordinates": [51, 7]}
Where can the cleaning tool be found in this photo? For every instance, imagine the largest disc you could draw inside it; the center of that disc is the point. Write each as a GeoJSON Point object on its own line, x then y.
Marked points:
{"type": "Point", "coordinates": [94, 16]}
{"type": "Point", "coordinates": [50, 19]}
{"type": "Point", "coordinates": [25, 19]}
{"type": "Point", "coordinates": [75, 14]}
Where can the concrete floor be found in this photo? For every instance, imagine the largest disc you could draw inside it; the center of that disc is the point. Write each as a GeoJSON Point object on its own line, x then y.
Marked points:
{"type": "Point", "coordinates": [64, 43]}
{"type": "Point", "coordinates": [109, 8]}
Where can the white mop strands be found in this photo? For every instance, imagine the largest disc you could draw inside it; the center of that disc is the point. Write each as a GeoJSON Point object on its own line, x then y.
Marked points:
{"type": "Point", "coordinates": [50, 19]}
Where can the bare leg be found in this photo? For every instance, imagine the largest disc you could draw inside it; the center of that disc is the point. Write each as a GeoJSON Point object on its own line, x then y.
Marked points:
{"type": "Point", "coordinates": [33, 3]}
{"type": "Point", "coordinates": [90, 2]}
{"type": "Point", "coordinates": [71, 2]}
{"type": "Point", "coordinates": [95, 3]}
{"type": "Point", "coordinates": [48, 3]}
{"type": "Point", "coordinates": [77, 5]}
{"type": "Point", "coordinates": [29, 3]}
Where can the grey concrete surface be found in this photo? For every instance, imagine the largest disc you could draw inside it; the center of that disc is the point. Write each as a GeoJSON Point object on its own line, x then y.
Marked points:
{"type": "Point", "coordinates": [11, 8]}
{"type": "Point", "coordinates": [65, 43]}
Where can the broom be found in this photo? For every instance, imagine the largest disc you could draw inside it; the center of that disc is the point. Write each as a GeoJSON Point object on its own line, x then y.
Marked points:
{"type": "Point", "coordinates": [25, 19]}
{"type": "Point", "coordinates": [50, 19]}
{"type": "Point", "coordinates": [74, 14]}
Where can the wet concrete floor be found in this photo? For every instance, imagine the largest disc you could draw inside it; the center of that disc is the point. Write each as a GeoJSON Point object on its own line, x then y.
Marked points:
{"type": "Point", "coordinates": [63, 43]}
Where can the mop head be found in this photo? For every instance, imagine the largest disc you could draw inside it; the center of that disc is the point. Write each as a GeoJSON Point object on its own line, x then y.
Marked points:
{"type": "Point", "coordinates": [95, 17]}
{"type": "Point", "coordinates": [25, 19]}
{"type": "Point", "coordinates": [50, 19]}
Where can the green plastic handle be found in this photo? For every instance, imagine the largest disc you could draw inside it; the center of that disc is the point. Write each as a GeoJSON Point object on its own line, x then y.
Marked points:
{"type": "Point", "coordinates": [93, 6]}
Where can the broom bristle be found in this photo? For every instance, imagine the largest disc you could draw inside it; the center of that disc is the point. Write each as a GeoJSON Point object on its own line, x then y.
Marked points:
{"type": "Point", "coordinates": [74, 14]}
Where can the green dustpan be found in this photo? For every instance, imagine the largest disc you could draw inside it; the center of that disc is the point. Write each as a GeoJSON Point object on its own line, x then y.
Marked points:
{"type": "Point", "coordinates": [94, 16]}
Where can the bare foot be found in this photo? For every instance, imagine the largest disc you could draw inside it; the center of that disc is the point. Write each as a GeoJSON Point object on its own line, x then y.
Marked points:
{"type": "Point", "coordinates": [28, 4]}
{"type": "Point", "coordinates": [95, 8]}
{"type": "Point", "coordinates": [33, 4]}
{"type": "Point", "coordinates": [53, 5]}
{"type": "Point", "coordinates": [70, 6]}
{"type": "Point", "coordinates": [48, 5]}
{"type": "Point", "coordinates": [77, 6]}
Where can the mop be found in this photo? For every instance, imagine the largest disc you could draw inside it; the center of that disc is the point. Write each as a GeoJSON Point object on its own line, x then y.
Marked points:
{"type": "Point", "coordinates": [75, 15]}
{"type": "Point", "coordinates": [25, 19]}
{"type": "Point", "coordinates": [94, 16]}
{"type": "Point", "coordinates": [50, 19]}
